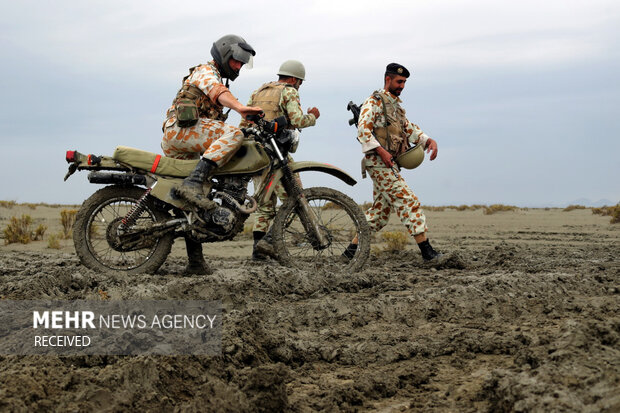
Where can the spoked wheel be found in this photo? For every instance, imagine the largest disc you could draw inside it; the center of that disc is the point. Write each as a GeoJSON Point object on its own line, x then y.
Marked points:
{"type": "Point", "coordinates": [104, 244]}
{"type": "Point", "coordinates": [339, 218]}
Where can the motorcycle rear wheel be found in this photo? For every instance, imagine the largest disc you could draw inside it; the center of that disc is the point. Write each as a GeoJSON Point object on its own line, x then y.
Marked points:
{"type": "Point", "coordinates": [95, 225]}
{"type": "Point", "coordinates": [338, 216]}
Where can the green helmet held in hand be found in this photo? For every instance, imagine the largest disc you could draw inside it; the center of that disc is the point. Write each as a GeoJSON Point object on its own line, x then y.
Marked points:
{"type": "Point", "coordinates": [293, 68]}
{"type": "Point", "coordinates": [411, 158]}
{"type": "Point", "coordinates": [235, 47]}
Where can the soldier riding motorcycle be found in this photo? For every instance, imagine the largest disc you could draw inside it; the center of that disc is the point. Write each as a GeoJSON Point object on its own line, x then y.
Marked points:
{"type": "Point", "coordinates": [130, 225]}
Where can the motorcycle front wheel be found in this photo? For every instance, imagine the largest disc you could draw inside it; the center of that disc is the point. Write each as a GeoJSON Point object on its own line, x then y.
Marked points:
{"type": "Point", "coordinates": [338, 217]}
{"type": "Point", "coordinates": [96, 228]}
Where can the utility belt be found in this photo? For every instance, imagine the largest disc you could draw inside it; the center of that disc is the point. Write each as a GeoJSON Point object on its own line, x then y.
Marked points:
{"type": "Point", "coordinates": [373, 160]}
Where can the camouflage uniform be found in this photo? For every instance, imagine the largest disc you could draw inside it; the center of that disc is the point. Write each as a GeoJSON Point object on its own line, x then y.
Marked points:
{"type": "Point", "coordinates": [290, 107]}
{"type": "Point", "coordinates": [210, 135]}
{"type": "Point", "coordinates": [390, 191]}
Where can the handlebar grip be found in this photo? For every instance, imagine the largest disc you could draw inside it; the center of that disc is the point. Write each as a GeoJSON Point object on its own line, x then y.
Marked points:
{"type": "Point", "coordinates": [351, 121]}
{"type": "Point", "coordinates": [253, 118]}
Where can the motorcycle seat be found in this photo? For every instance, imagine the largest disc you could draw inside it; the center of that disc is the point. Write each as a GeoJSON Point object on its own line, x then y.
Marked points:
{"type": "Point", "coordinates": [158, 164]}
{"type": "Point", "coordinates": [250, 158]}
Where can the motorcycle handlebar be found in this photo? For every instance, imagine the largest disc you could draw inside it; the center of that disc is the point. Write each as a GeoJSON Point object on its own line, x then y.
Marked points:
{"type": "Point", "coordinates": [268, 126]}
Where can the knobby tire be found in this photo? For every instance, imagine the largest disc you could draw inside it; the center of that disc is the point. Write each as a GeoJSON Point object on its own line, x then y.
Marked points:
{"type": "Point", "coordinates": [341, 218]}
{"type": "Point", "coordinates": [89, 230]}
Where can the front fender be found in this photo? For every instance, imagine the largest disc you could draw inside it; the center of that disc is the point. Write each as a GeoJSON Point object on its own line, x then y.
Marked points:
{"type": "Point", "coordinates": [303, 166]}
{"type": "Point", "coordinates": [322, 167]}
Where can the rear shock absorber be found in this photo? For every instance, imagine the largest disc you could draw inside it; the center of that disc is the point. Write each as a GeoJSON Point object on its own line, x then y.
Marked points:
{"type": "Point", "coordinates": [136, 210]}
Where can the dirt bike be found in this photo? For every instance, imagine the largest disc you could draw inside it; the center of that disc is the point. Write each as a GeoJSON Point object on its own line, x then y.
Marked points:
{"type": "Point", "coordinates": [130, 225]}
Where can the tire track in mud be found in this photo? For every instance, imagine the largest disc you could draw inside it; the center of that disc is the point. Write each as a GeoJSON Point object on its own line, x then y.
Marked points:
{"type": "Point", "coordinates": [506, 325]}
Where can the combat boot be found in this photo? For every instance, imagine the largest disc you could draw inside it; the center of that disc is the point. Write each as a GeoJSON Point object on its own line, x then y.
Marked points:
{"type": "Point", "coordinates": [257, 256]}
{"type": "Point", "coordinates": [265, 247]}
{"type": "Point", "coordinates": [192, 187]}
{"type": "Point", "coordinates": [349, 252]}
{"type": "Point", "coordinates": [428, 253]}
{"type": "Point", "coordinates": [196, 264]}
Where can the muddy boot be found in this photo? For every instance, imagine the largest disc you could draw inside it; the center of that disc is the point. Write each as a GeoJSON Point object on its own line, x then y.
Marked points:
{"type": "Point", "coordinates": [257, 256]}
{"type": "Point", "coordinates": [428, 253]}
{"type": "Point", "coordinates": [191, 189]}
{"type": "Point", "coordinates": [196, 261]}
{"type": "Point", "coordinates": [265, 246]}
{"type": "Point", "coordinates": [349, 252]}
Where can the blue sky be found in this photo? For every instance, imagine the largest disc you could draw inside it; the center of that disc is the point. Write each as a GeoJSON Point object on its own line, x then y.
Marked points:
{"type": "Point", "coordinates": [522, 97]}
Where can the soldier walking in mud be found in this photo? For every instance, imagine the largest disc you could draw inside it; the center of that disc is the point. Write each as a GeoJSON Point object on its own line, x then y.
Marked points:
{"type": "Point", "coordinates": [277, 99]}
{"type": "Point", "coordinates": [195, 125]}
{"type": "Point", "coordinates": [385, 133]}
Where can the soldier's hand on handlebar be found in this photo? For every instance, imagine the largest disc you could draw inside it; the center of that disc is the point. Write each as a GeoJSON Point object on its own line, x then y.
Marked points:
{"type": "Point", "coordinates": [246, 111]}
{"type": "Point", "coordinates": [315, 112]}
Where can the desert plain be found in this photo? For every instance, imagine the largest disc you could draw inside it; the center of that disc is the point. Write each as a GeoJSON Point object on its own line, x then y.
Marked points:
{"type": "Point", "coordinates": [524, 315]}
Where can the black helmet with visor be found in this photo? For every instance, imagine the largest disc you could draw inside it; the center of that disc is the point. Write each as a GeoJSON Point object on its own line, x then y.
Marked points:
{"type": "Point", "coordinates": [231, 46]}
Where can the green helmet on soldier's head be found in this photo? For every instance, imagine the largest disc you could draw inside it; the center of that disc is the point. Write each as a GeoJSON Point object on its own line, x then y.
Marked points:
{"type": "Point", "coordinates": [231, 46]}
{"type": "Point", "coordinates": [293, 68]}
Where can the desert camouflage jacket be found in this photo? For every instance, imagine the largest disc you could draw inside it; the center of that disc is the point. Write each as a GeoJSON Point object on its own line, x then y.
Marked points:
{"type": "Point", "coordinates": [207, 78]}
{"type": "Point", "coordinates": [372, 116]}
{"type": "Point", "coordinates": [291, 107]}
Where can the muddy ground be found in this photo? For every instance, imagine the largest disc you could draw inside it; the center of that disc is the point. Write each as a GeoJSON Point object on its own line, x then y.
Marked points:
{"type": "Point", "coordinates": [524, 316]}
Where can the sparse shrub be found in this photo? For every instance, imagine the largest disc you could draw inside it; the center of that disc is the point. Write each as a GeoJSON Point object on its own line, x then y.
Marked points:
{"type": "Point", "coordinates": [67, 219]}
{"type": "Point", "coordinates": [466, 207]}
{"type": "Point", "coordinates": [93, 231]}
{"type": "Point", "coordinates": [365, 206]}
{"type": "Point", "coordinates": [491, 209]}
{"type": "Point", "coordinates": [329, 205]}
{"type": "Point", "coordinates": [18, 230]}
{"type": "Point", "coordinates": [612, 211]}
{"type": "Point", "coordinates": [572, 207]}
{"type": "Point", "coordinates": [53, 241]}
{"type": "Point", "coordinates": [433, 208]}
{"type": "Point", "coordinates": [30, 205]}
{"type": "Point", "coordinates": [7, 204]}
{"type": "Point", "coordinates": [604, 211]}
{"type": "Point", "coordinates": [615, 216]}
{"type": "Point", "coordinates": [396, 240]}
{"type": "Point", "coordinates": [38, 233]}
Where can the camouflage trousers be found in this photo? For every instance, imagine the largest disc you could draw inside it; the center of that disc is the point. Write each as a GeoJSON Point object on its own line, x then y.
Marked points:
{"type": "Point", "coordinates": [267, 210]}
{"type": "Point", "coordinates": [213, 138]}
{"type": "Point", "coordinates": [391, 193]}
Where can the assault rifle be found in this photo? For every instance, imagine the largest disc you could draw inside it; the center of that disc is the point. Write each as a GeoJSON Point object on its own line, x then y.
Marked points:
{"type": "Point", "coordinates": [355, 110]}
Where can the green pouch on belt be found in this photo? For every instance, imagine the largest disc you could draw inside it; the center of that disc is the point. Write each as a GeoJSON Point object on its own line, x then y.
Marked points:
{"type": "Point", "coordinates": [186, 111]}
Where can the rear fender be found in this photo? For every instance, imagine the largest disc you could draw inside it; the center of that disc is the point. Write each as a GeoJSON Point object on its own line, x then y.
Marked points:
{"type": "Point", "coordinates": [303, 166]}
{"type": "Point", "coordinates": [79, 162]}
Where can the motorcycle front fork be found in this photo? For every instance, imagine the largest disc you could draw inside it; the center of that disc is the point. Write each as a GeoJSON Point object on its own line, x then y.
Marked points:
{"type": "Point", "coordinates": [307, 216]}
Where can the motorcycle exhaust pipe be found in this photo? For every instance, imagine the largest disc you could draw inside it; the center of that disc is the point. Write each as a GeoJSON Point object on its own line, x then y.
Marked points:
{"type": "Point", "coordinates": [97, 177]}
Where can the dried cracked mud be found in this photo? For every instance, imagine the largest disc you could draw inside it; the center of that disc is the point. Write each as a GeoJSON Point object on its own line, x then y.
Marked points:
{"type": "Point", "coordinates": [523, 316]}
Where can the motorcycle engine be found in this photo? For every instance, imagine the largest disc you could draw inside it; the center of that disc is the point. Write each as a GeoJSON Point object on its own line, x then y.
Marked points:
{"type": "Point", "coordinates": [222, 217]}
{"type": "Point", "coordinates": [231, 191]}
